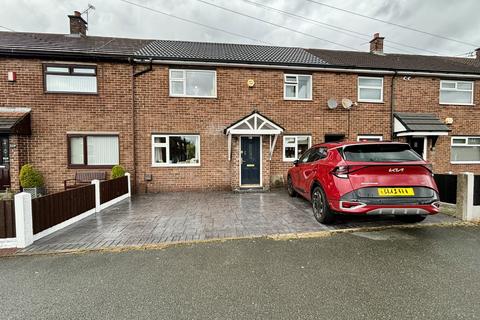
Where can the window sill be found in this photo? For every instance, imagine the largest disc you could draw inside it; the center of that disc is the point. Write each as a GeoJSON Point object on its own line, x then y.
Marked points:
{"type": "Point", "coordinates": [175, 165]}
{"type": "Point", "coordinates": [465, 162]}
{"type": "Point", "coordinates": [73, 166]}
{"type": "Point", "coordinates": [72, 93]}
{"type": "Point", "coordinates": [371, 101]}
{"type": "Point", "coordinates": [195, 97]}
{"type": "Point", "coordinates": [289, 160]}
{"type": "Point", "coordinates": [457, 104]}
{"type": "Point", "coordinates": [296, 99]}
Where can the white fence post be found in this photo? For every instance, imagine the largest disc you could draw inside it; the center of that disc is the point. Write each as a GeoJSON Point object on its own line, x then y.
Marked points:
{"type": "Point", "coordinates": [23, 219]}
{"type": "Point", "coordinates": [129, 184]}
{"type": "Point", "coordinates": [465, 208]}
{"type": "Point", "coordinates": [97, 194]}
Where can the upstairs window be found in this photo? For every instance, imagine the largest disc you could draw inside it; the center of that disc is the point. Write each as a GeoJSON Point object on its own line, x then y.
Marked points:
{"type": "Point", "coordinates": [456, 92]}
{"type": "Point", "coordinates": [70, 79]}
{"type": "Point", "coordinates": [193, 83]}
{"type": "Point", "coordinates": [175, 150]}
{"type": "Point", "coordinates": [297, 87]}
{"type": "Point", "coordinates": [369, 137]}
{"type": "Point", "coordinates": [93, 150]}
{"type": "Point", "coordinates": [295, 146]}
{"type": "Point", "coordinates": [370, 89]}
{"type": "Point", "coordinates": [465, 150]}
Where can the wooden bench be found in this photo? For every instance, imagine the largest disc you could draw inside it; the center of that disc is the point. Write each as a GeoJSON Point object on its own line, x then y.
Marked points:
{"type": "Point", "coordinates": [83, 178]}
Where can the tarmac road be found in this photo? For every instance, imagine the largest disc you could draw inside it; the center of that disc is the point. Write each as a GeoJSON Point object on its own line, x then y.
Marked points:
{"type": "Point", "coordinates": [416, 273]}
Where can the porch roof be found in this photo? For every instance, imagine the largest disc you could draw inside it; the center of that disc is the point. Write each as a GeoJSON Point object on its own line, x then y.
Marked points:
{"type": "Point", "coordinates": [254, 124]}
{"type": "Point", "coordinates": [424, 124]}
{"type": "Point", "coordinates": [15, 121]}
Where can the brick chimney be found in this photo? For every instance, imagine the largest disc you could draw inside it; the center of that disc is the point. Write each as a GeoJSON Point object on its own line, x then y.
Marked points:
{"type": "Point", "coordinates": [78, 26]}
{"type": "Point", "coordinates": [376, 44]}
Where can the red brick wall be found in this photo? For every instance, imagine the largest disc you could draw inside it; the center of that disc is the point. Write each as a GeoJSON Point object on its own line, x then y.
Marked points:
{"type": "Point", "coordinates": [421, 94]}
{"type": "Point", "coordinates": [53, 115]}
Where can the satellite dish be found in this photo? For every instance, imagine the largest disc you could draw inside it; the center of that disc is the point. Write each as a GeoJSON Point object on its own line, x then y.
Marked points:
{"type": "Point", "coordinates": [347, 103]}
{"type": "Point", "coordinates": [332, 103]}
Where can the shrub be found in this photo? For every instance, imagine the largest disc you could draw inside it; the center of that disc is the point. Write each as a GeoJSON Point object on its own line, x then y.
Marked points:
{"type": "Point", "coordinates": [117, 172]}
{"type": "Point", "coordinates": [30, 177]}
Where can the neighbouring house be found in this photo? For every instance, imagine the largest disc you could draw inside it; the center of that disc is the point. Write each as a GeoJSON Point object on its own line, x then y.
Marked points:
{"type": "Point", "coordinates": [208, 116]}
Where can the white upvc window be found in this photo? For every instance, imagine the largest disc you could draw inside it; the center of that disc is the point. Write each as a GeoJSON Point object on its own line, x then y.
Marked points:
{"type": "Point", "coordinates": [465, 150]}
{"type": "Point", "coordinates": [369, 137]}
{"type": "Point", "coordinates": [370, 89]}
{"type": "Point", "coordinates": [295, 146]}
{"type": "Point", "coordinates": [456, 92]}
{"type": "Point", "coordinates": [193, 83]}
{"type": "Point", "coordinates": [297, 87]}
{"type": "Point", "coordinates": [175, 150]}
{"type": "Point", "coordinates": [70, 79]}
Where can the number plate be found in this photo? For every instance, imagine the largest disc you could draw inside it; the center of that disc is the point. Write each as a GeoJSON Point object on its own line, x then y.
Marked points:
{"type": "Point", "coordinates": [396, 192]}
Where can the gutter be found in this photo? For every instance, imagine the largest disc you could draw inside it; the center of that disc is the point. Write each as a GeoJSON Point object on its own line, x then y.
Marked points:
{"type": "Point", "coordinates": [309, 68]}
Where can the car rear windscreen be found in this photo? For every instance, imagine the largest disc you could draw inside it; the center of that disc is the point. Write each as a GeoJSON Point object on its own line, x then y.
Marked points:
{"type": "Point", "coordinates": [380, 153]}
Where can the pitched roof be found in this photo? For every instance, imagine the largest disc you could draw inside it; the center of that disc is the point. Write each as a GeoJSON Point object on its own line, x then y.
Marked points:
{"type": "Point", "coordinates": [12, 42]}
{"type": "Point", "coordinates": [420, 122]}
{"type": "Point", "coordinates": [228, 52]}
{"type": "Point", "coordinates": [404, 62]}
{"type": "Point", "coordinates": [47, 44]}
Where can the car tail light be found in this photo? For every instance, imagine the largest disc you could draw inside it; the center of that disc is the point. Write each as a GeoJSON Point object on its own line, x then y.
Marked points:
{"type": "Point", "coordinates": [349, 205]}
{"type": "Point", "coordinates": [429, 167]}
{"type": "Point", "coordinates": [341, 172]}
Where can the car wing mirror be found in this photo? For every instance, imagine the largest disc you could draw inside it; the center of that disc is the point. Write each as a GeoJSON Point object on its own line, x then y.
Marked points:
{"type": "Point", "coordinates": [295, 163]}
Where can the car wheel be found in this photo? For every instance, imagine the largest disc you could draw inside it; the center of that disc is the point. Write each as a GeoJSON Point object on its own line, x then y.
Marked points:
{"type": "Point", "coordinates": [321, 210]}
{"type": "Point", "coordinates": [411, 218]}
{"type": "Point", "coordinates": [291, 191]}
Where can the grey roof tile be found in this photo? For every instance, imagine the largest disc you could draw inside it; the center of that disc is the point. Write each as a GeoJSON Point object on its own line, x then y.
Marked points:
{"type": "Point", "coordinates": [227, 52]}
{"type": "Point", "coordinates": [405, 62]}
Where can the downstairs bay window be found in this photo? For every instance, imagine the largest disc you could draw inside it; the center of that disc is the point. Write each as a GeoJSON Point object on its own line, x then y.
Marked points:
{"type": "Point", "coordinates": [465, 150]}
{"type": "Point", "coordinates": [175, 150]}
{"type": "Point", "coordinates": [101, 151]}
{"type": "Point", "coordinates": [295, 146]}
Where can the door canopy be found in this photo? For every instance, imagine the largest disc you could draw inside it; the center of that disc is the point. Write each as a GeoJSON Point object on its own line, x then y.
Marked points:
{"type": "Point", "coordinates": [254, 124]}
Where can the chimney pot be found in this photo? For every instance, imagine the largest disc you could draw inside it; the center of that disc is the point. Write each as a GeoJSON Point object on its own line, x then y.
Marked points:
{"type": "Point", "coordinates": [78, 26]}
{"type": "Point", "coordinates": [376, 44]}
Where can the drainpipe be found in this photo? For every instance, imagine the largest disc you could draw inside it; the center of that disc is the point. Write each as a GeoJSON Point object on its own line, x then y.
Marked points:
{"type": "Point", "coordinates": [134, 118]}
{"type": "Point", "coordinates": [392, 105]}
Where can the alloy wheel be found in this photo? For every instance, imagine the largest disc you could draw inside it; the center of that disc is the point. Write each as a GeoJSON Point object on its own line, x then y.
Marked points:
{"type": "Point", "coordinates": [317, 202]}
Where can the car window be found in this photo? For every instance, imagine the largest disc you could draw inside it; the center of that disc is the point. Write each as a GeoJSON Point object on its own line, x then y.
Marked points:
{"type": "Point", "coordinates": [305, 156]}
{"type": "Point", "coordinates": [380, 153]}
{"type": "Point", "coordinates": [317, 154]}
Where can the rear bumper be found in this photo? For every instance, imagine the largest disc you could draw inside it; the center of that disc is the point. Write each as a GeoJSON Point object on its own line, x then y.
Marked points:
{"type": "Point", "coordinates": [386, 209]}
{"type": "Point", "coordinates": [366, 201]}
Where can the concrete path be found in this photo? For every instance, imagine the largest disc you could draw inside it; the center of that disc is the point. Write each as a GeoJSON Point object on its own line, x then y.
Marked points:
{"type": "Point", "coordinates": [178, 217]}
{"type": "Point", "coordinates": [416, 273]}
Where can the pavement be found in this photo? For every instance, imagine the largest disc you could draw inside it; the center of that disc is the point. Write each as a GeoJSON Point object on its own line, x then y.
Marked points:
{"type": "Point", "coordinates": [413, 273]}
{"type": "Point", "coordinates": [166, 218]}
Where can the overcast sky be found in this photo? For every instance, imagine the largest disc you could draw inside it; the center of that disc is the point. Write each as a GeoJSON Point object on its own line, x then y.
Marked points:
{"type": "Point", "coordinates": [453, 19]}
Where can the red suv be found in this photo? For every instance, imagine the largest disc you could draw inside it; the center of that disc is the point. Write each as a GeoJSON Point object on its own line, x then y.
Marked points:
{"type": "Point", "coordinates": [373, 178]}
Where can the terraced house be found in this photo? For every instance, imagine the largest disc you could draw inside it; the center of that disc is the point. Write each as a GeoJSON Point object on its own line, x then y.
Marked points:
{"type": "Point", "coordinates": [209, 116]}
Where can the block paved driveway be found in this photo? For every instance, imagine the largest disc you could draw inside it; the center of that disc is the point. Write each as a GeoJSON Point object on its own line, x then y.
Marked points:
{"type": "Point", "coordinates": [172, 217]}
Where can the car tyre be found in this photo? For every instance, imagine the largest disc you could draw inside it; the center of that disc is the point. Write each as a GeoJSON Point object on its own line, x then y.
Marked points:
{"type": "Point", "coordinates": [291, 191]}
{"type": "Point", "coordinates": [411, 218]}
{"type": "Point", "coordinates": [321, 210]}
